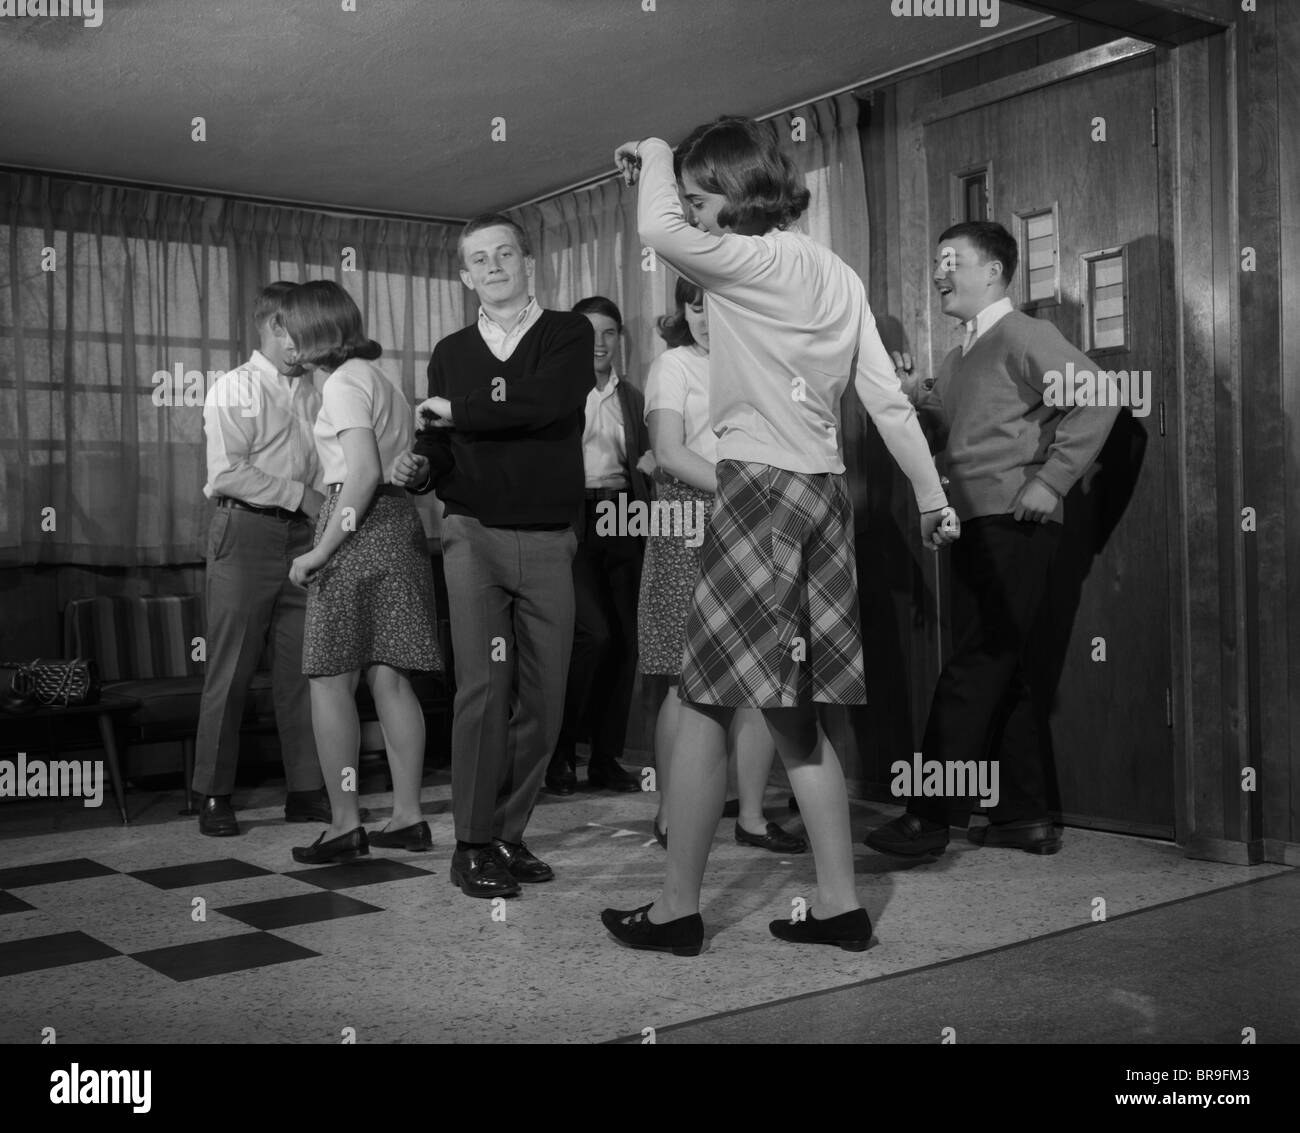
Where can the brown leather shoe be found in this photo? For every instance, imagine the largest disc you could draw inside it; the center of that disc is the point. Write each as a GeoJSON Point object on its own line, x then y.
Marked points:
{"type": "Point", "coordinates": [1033, 835]}
{"type": "Point", "coordinates": [909, 837]}
{"type": "Point", "coordinates": [217, 817]}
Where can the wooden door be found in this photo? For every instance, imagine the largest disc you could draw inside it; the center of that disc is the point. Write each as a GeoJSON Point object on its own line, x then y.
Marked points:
{"type": "Point", "coordinates": [1078, 157]}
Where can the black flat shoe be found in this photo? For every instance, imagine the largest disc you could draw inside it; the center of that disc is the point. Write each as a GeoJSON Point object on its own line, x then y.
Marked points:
{"type": "Point", "coordinates": [417, 838]}
{"type": "Point", "coordinates": [682, 937]}
{"type": "Point", "coordinates": [521, 863]}
{"type": "Point", "coordinates": [661, 836]}
{"type": "Point", "coordinates": [307, 806]}
{"type": "Point", "coordinates": [345, 848]}
{"type": "Point", "coordinates": [775, 839]}
{"type": "Point", "coordinates": [609, 776]}
{"type": "Point", "coordinates": [479, 873]}
{"type": "Point", "coordinates": [1034, 836]}
{"type": "Point", "coordinates": [217, 817]}
{"type": "Point", "coordinates": [850, 931]}
{"type": "Point", "coordinates": [908, 837]}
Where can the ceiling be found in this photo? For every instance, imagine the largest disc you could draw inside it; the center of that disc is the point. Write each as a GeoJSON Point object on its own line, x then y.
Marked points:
{"type": "Point", "coordinates": [390, 108]}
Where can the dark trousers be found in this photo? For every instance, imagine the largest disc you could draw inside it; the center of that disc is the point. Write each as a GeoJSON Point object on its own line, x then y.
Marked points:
{"type": "Point", "coordinates": [602, 674]}
{"type": "Point", "coordinates": [982, 707]}
{"type": "Point", "coordinates": [248, 597]}
{"type": "Point", "coordinates": [510, 596]}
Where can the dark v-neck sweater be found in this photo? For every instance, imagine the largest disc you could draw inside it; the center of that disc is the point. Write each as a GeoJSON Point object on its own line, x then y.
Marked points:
{"type": "Point", "coordinates": [514, 455]}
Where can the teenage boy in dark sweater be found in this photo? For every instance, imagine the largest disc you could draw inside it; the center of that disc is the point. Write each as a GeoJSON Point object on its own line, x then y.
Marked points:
{"type": "Point", "coordinates": [1012, 456]}
{"type": "Point", "coordinates": [504, 451]}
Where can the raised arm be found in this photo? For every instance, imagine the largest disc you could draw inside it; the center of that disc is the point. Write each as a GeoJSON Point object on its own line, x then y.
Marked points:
{"type": "Point", "coordinates": [713, 262]}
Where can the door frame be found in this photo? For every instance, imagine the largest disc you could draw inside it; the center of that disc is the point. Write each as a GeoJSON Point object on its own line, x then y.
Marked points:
{"type": "Point", "coordinates": [1176, 215]}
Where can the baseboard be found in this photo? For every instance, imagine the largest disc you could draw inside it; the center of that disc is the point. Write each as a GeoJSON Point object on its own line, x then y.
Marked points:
{"type": "Point", "coordinates": [1276, 850]}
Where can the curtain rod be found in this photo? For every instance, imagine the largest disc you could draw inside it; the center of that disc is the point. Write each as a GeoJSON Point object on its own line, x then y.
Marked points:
{"type": "Point", "coordinates": [875, 80]}
{"type": "Point", "coordinates": [274, 202]}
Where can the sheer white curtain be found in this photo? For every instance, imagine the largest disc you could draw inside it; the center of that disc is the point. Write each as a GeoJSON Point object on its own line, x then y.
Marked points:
{"type": "Point", "coordinates": [102, 287]}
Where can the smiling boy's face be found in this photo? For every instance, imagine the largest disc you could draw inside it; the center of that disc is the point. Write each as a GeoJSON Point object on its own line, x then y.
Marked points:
{"type": "Point", "coordinates": [495, 266]}
{"type": "Point", "coordinates": [607, 335]}
{"type": "Point", "coordinates": [966, 284]}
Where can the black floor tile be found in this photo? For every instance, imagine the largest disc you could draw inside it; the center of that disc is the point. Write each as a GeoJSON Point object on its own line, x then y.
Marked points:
{"type": "Point", "coordinates": [281, 912]}
{"type": "Point", "coordinates": [217, 957]}
{"type": "Point", "coordinates": [39, 952]}
{"type": "Point", "coordinates": [199, 873]}
{"type": "Point", "coordinates": [11, 904]}
{"type": "Point", "coordinates": [350, 874]}
{"type": "Point", "coordinates": [46, 872]}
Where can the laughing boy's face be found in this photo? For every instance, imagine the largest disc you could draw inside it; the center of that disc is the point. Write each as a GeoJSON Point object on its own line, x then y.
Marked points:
{"type": "Point", "coordinates": [965, 283]}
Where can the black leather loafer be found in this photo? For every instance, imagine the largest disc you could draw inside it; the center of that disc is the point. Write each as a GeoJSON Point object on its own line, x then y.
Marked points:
{"type": "Point", "coordinates": [775, 839]}
{"type": "Point", "coordinates": [479, 873]}
{"type": "Point", "coordinates": [521, 863]}
{"type": "Point", "coordinates": [308, 806]}
{"type": "Point", "coordinates": [609, 776]}
{"type": "Point", "coordinates": [345, 848]}
{"type": "Point", "coordinates": [850, 931]}
{"type": "Point", "coordinates": [561, 779]}
{"type": "Point", "coordinates": [217, 817]}
{"type": "Point", "coordinates": [417, 838]}
{"type": "Point", "coordinates": [682, 937]}
{"type": "Point", "coordinates": [1034, 836]}
{"type": "Point", "coordinates": [909, 837]}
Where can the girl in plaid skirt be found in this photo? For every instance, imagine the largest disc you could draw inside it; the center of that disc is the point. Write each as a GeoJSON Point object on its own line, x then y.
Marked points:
{"type": "Point", "coordinates": [774, 620]}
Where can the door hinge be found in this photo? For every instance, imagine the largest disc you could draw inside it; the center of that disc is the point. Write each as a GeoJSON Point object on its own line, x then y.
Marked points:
{"type": "Point", "coordinates": [1153, 125]}
{"type": "Point", "coordinates": [1169, 708]}
{"type": "Point", "coordinates": [1162, 418]}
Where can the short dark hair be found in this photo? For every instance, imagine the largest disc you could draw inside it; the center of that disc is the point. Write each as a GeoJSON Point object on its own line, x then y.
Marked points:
{"type": "Point", "coordinates": [674, 329]}
{"type": "Point", "coordinates": [739, 158]}
{"type": "Point", "coordinates": [325, 325]}
{"type": "Point", "coordinates": [992, 241]}
{"type": "Point", "coordinates": [492, 220]}
{"type": "Point", "coordinates": [269, 300]}
{"type": "Point", "coordinates": [599, 305]}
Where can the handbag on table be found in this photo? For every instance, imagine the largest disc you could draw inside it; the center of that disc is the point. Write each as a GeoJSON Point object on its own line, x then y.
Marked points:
{"type": "Point", "coordinates": [58, 683]}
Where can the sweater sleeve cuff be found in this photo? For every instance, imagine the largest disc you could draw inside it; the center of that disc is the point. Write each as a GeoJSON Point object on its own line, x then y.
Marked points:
{"type": "Point", "coordinates": [932, 500]}
{"type": "Point", "coordinates": [1057, 478]}
{"type": "Point", "coordinates": [460, 412]}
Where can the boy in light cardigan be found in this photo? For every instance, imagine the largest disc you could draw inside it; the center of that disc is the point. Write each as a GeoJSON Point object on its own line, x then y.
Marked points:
{"type": "Point", "coordinates": [1012, 457]}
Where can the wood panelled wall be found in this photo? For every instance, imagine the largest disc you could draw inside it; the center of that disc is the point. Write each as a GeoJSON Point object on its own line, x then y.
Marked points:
{"type": "Point", "coordinates": [1230, 172]}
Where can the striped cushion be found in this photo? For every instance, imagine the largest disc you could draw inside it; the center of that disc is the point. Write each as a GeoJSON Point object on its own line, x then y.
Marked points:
{"type": "Point", "coordinates": [136, 638]}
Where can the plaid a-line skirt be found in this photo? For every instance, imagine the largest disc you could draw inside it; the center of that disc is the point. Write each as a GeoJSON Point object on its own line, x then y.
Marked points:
{"type": "Point", "coordinates": [774, 617]}
{"type": "Point", "coordinates": [373, 602]}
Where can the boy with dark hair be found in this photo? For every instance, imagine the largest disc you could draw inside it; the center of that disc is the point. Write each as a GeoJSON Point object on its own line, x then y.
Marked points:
{"type": "Point", "coordinates": [1011, 460]}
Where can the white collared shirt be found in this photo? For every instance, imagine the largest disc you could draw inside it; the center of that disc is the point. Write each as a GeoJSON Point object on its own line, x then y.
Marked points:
{"type": "Point", "coordinates": [258, 425]}
{"type": "Point", "coordinates": [604, 440]}
{"type": "Point", "coordinates": [982, 323]}
{"type": "Point", "coordinates": [502, 342]}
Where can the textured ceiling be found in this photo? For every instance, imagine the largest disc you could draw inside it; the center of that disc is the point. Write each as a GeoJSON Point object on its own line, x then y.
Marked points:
{"type": "Point", "coordinates": [391, 107]}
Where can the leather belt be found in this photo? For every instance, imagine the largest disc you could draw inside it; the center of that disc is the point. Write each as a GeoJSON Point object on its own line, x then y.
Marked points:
{"type": "Point", "coordinates": [382, 490]}
{"type": "Point", "coordinates": [274, 512]}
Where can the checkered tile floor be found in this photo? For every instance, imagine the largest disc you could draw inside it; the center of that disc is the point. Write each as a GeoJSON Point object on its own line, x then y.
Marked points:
{"type": "Point", "coordinates": [319, 901]}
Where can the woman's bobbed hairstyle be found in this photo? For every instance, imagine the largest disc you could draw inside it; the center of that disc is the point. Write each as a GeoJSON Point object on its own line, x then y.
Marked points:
{"type": "Point", "coordinates": [325, 325]}
{"type": "Point", "coordinates": [674, 329]}
{"type": "Point", "coordinates": [738, 158]}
